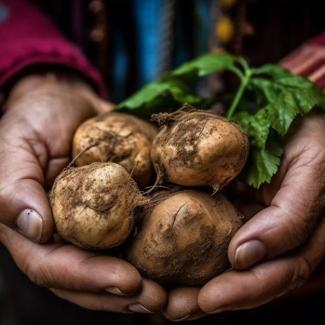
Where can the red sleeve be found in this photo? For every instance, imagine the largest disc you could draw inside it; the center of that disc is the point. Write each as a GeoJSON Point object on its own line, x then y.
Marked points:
{"type": "Point", "coordinates": [27, 38]}
{"type": "Point", "coordinates": [309, 60]}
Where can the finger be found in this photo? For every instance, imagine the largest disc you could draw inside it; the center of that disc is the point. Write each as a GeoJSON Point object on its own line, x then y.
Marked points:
{"type": "Point", "coordinates": [68, 267]}
{"type": "Point", "coordinates": [152, 298]}
{"type": "Point", "coordinates": [99, 104]}
{"type": "Point", "coordinates": [54, 168]}
{"type": "Point", "coordinates": [23, 201]}
{"type": "Point", "coordinates": [248, 289]}
{"type": "Point", "coordinates": [103, 106]}
{"type": "Point", "coordinates": [290, 218]}
{"type": "Point", "coordinates": [183, 304]}
{"type": "Point", "coordinates": [247, 209]}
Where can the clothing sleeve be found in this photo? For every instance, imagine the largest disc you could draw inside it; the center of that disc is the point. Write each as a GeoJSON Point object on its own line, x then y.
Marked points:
{"type": "Point", "coordinates": [309, 60]}
{"type": "Point", "coordinates": [27, 37]}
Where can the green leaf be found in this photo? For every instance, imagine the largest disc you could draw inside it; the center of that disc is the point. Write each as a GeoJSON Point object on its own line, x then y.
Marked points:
{"type": "Point", "coordinates": [264, 164]}
{"type": "Point", "coordinates": [206, 64]}
{"type": "Point", "coordinates": [177, 87]}
{"type": "Point", "coordinates": [271, 70]}
{"type": "Point", "coordinates": [147, 94]}
{"type": "Point", "coordinates": [285, 96]}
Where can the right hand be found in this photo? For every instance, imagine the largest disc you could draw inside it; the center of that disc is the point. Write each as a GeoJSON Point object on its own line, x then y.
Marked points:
{"type": "Point", "coordinates": [36, 132]}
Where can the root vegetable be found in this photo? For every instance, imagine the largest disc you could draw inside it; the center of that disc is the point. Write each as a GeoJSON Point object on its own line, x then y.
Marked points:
{"type": "Point", "coordinates": [118, 138]}
{"type": "Point", "coordinates": [184, 238]}
{"type": "Point", "coordinates": [199, 148]}
{"type": "Point", "coordinates": [93, 206]}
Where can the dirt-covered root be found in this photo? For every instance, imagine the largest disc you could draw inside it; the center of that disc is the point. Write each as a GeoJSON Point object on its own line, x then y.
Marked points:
{"type": "Point", "coordinates": [199, 148]}
{"type": "Point", "coordinates": [184, 238]}
{"type": "Point", "coordinates": [93, 206]}
{"type": "Point", "coordinates": [119, 138]}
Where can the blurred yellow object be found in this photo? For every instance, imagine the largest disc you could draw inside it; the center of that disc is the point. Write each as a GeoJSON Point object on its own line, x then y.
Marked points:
{"type": "Point", "coordinates": [228, 3]}
{"type": "Point", "coordinates": [225, 30]}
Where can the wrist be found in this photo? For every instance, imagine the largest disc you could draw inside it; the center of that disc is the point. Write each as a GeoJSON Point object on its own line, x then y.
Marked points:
{"type": "Point", "coordinates": [45, 80]}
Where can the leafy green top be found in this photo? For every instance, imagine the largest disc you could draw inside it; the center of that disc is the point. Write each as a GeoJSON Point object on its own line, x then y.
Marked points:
{"type": "Point", "coordinates": [265, 104]}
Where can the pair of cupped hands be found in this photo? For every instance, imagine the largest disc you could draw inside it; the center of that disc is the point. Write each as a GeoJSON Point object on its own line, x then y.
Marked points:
{"type": "Point", "coordinates": [275, 251]}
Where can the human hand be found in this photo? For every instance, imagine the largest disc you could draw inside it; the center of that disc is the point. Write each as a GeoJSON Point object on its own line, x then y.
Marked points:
{"type": "Point", "coordinates": [36, 131]}
{"type": "Point", "coordinates": [280, 246]}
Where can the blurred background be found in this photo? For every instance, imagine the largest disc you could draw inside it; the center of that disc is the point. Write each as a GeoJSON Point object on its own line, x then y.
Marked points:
{"type": "Point", "coordinates": [135, 41]}
{"type": "Point", "coordinates": [132, 42]}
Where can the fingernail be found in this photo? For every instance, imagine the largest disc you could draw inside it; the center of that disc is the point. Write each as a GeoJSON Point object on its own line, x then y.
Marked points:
{"type": "Point", "coordinates": [137, 308]}
{"type": "Point", "coordinates": [115, 291]}
{"type": "Point", "coordinates": [30, 223]}
{"type": "Point", "coordinates": [249, 253]}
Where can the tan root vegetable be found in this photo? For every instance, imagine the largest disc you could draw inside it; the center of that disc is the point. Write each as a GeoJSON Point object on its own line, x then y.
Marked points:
{"type": "Point", "coordinates": [199, 148]}
{"type": "Point", "coordinates": [184, 238]}
{"type": "Point", "coordinates": [119, 138]}
{"type": "Point", "coordinates": [93, 206]}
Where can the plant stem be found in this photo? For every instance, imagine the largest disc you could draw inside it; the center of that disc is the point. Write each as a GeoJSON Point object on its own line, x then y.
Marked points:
{"type": "Point", "coordinates": [239, 94]}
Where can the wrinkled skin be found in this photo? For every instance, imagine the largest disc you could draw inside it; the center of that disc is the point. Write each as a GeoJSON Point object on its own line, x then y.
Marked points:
{"type": "Point", "coordinates": [283, 242]}
{"type": "Point", "coordinates": [184, 238]}
{"type": "Point", "coordinates": [199, 148]}
{"type": "Point", "coordinates": [93, 206]}
{"type": "Point", "coordinates": [36, 130]}
{"type": "Point", "coordinates": [119, 138]}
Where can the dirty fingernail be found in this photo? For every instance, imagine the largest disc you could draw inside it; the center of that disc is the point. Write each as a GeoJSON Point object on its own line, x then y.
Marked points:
{"type": "Point", "coordinates": [137, 308]}
{"type": "Point", "coordinates": [30, 223]}
{"type": "Point", "coordinates": [115, 291]}
{"type": "Point", "coordinates": [249, 253]}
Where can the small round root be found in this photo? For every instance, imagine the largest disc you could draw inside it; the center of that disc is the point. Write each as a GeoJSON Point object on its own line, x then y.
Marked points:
{"type": "Point", "coordinates": [199, 148]}
{"type": "Point", "coordinates": [119, 138]}
{"type": "Point", "coordinates": [183, 237]}
{"type": "Point", "coordinates": [94, 205]}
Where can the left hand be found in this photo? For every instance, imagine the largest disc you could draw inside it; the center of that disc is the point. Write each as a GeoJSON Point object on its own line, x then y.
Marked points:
{"type": "Point", "coordinates": [281, 245]}
{"type": "Point", "coordinates": [36, 131]}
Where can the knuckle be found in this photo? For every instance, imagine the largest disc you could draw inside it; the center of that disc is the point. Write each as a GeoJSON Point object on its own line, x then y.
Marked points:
{"type": "Point", "coordinates": [37, 273]}
{"type": "Point", "coordinates": [8, 192]}
{"type": "Point", "coordinates": [298, 229]}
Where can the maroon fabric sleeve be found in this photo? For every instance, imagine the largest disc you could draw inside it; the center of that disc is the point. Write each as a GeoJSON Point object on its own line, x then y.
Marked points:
{"type": "Point", "coordinates": [27, 37]}
{"type": "Point", "coordinates": [309, 60]}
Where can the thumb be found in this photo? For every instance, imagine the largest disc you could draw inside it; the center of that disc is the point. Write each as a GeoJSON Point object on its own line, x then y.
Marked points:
{"type": "Point", "coordinates": [102, 106]}
{"type": "Point", "coordinates": [288, 220]}
{"type": "Point", "coordinates": [99, 104]}
{"type": "Point", "coordinates": [31, 210]}
{"type": "Point", "coordinates": [23, 201]}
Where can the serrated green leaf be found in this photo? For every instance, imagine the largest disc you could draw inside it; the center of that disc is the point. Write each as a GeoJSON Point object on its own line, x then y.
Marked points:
{"type": "Point", "coordinates": [265, 163]}
{"type": "Point", "coordinates": [285, 96]}
{"type": "Point", "coordinates": [177, 87]}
